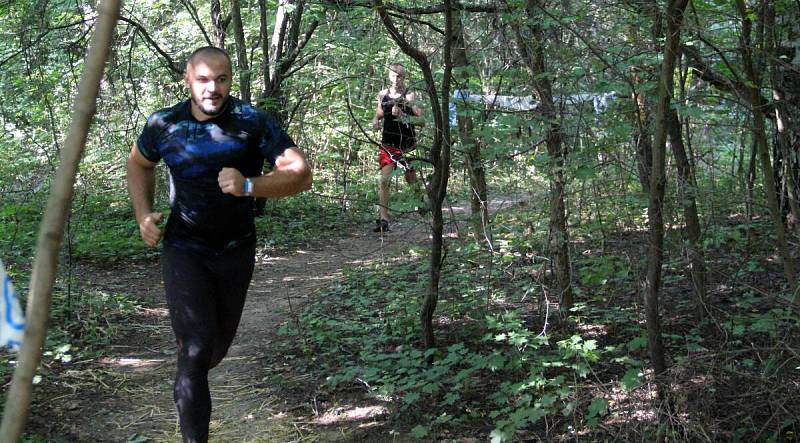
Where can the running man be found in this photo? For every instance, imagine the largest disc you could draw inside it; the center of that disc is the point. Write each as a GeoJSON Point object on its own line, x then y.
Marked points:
{"type": "Point", "coordinates": [214, 146]}
{"type": "Point", "coordinates": [396, 108]}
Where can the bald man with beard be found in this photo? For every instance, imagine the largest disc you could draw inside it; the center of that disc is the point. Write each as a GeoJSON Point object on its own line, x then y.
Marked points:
{"type": "Point", "coordinates": [214, 146]}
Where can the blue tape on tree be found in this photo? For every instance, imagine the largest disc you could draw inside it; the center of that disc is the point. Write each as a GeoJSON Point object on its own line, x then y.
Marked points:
{"type": "Point", "coordinates": [12, 322]}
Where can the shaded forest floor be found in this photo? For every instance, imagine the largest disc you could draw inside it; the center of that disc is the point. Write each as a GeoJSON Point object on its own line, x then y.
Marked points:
{"type": "Point", "coordinates": [259, 393]}
{"type": "Point", "coordinates": [734, 376]}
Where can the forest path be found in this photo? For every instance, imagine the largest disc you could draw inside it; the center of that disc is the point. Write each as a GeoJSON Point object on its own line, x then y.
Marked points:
{"type": "Point", "coordinates": [258, 393]}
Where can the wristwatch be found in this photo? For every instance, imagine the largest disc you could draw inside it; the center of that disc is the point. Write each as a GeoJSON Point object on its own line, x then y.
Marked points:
{"type": "Point", "coordinates": [248, 187]}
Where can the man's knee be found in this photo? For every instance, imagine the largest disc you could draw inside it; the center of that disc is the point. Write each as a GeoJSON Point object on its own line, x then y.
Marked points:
{"type": "Point", "coordinates": [216, 358]}
{"type": "Point", "coordinates": [410, 175]}
{"type": "Point", "coordinates": [203, 355]}
{"type": "Point", "coordinates": [219, 352]}
{"type": "Point", "coordinates": [385, 178]}
{"type": "Point", "coordinates": [196, 354]}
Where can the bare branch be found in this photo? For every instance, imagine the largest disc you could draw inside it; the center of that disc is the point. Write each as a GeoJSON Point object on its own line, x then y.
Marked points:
{"type": "Point", "coordinates": [706, 73]}
{"type": "Point", "coordinates": [193, 12]}
{"type": "Point", "coordinates": [42, 36]}
{"type": "Point", "coordinates": [288, 60]}
{"type": "Point", "coordinates": [425, 10]}
{"type": "Point", "coordinates": [418, 21]}
{"type": "Point", "coordinates": [174, 68]}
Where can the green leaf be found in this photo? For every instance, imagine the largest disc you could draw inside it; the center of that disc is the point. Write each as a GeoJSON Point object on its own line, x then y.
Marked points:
{"type": "Point", "coordinates": [637, 343]}
{"type": "Point", "coordinates": [585, 172]}
{"type": "Point", "coordinates": [630, 380]}
{"type": "Point", "coordinates": [411, 398]}
{"type": "Point", "coordinates": [598, 407]}
{"type": "Point", "coordinates": [420, 431]}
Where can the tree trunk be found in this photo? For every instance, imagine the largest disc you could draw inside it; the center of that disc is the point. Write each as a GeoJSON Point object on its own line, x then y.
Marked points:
{"type": "Point", "coordinates": [786, 96]}
{"type": "Point", "coordinates": [52, 228]}
{"type": "Point", "coordinates": [532, 51]}
{"type": "Point", "coordinates": [440, 153]}
{"type": "Point", "coordinates": [241, 51]}
{"type": "Point", "coordinates": [279, 55]}
{"type": "Point", "coordinates": [750, 181]}
{"type": "Point", "coordinates": [642, 109]}
{"type": "Point", "coordinates": [762, 147]}
{"type": "Point", "coordinates": [265, 43]}
{"type": "Point", "coordinates": [655, 256]}
{"type": "Point", "coordinates": [687, 193]}
{"type": "Point", "coordinates": [471, 144]}
{"type": "Point", "coordinates": [751, 91]}
{"type": "Point", "coordinates": [219, 24]}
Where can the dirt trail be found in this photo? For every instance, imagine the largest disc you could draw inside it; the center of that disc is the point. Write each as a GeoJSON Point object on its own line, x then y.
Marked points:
{"type": "Point", "coordinates": [258, 394]}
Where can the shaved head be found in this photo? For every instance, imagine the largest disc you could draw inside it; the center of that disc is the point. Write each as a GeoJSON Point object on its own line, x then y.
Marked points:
{"type": "Point", "coordinates": [207, 52]}
{"type": "Point", "coordinates": [208, 76]}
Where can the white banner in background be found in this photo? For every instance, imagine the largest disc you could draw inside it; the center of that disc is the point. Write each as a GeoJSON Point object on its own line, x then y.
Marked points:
{"type": "Point", "coordinates": [12, 323]}
{"type": "Point", "coordinates": [514, 103]}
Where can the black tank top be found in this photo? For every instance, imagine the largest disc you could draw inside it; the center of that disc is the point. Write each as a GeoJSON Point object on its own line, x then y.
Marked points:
{"type": "Point", "coordinates": [396, 133]}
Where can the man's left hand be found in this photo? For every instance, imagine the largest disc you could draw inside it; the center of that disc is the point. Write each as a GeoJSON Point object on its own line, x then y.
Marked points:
{"type": "Point", "coordinates": [231, 181]}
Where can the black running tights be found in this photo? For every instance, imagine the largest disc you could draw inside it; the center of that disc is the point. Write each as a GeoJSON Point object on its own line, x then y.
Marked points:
{"type": "Point", "coordinates": [205, 295]}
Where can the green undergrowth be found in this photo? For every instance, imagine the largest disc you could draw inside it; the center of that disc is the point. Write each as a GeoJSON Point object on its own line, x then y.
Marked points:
{"type": "Point", "coordinates": [82, 321]}
{"type": "Point", "coordinates": [103, 228]}
{"type": "Point", "coordinates": [301, 220]}
{"type": "Point", "coordinates": [508, 365]}
{"type": "Point", "coordinates": [501, 358]}
{"type": "Point", "coordinates": [86, 314]}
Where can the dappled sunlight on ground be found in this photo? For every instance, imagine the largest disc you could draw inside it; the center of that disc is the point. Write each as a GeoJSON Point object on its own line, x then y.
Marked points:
{"type": "Point", "coordinates": [342, 414]}
{"type": "Point", "coordinates": [131, 362]}
{"type": "Point", "coordinates": [627, 406]}
{"type": "Point", "coordinates": [269, 259]}
{"type": "Point", "coordinates": [155, 312]}
{"type": "Point", "coordinates": [304, 277]}
{"type": "Point", "coordinates": [594, 331]}
{"type": "Point", "coordinates": [444, 320]}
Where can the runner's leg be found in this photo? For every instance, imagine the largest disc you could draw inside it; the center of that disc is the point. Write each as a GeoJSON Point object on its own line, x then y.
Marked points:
{"type": "Point", "coordinates": [190, 296]}
{"type": "Point", "coordinates": [410, 175]}
{"type": "Point", "coordinates": [233, 275]}
{"type": "Point", "coordinates": [384, 182]}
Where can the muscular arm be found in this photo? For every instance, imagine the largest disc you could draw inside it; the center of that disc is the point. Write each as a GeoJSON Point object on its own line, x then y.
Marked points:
{"type": "Point", "coordinates": [291, 175]}
{"type": "Point", "coordinates": [411, 97]}
{"type": "Point", "coordinates": [378, 112]}
{"type": "Point", "coordinates": [141, 185]}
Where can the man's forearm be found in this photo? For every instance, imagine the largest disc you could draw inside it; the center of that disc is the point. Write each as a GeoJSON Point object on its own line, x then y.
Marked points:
{"type": "Point", "coordinates": [141, 187]}
{"type": "Point", "coordinates": [282, 183]}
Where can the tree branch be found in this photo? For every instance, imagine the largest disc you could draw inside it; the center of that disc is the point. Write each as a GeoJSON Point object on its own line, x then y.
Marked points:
{"type": "Point", "coordinates": [176, 70]}
{"type": "Point", "coordinates": [411, 19]}
{"type": "Point", "coordinates": [193, 12]}
{"type": "Point", "coordinates": [41, 36]}
{"type": "Point", "coordinates": [425, 10]}
{"type": "Point", "coordinates": [288, 60]}
{"type": "Point", "coordinates": [706, 73]}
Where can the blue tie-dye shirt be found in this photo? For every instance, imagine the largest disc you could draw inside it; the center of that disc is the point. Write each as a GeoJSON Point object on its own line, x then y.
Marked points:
{"type": "Point", "coordinates": [242, 137]}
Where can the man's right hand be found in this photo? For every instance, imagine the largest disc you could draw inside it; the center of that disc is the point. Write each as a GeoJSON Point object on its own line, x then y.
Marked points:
{"type": "Point", "coordinates": [148, 228]}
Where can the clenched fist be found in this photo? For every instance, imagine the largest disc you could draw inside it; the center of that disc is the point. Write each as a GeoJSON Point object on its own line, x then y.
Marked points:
{"type": "Point", "coordinates": [149, 230]}
{"type": "Point", "coordinates": [231, 181]}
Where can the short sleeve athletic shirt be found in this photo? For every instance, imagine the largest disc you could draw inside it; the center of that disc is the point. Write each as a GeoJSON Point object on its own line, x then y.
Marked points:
{"type": "Point", "coordinates": [203, 218]}
{"type": "Point", "coordinates": [396, 133]}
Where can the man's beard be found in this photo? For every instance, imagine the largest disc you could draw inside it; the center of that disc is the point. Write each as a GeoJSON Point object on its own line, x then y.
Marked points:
{"type": "Point", "coordinates": [211, 111]}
